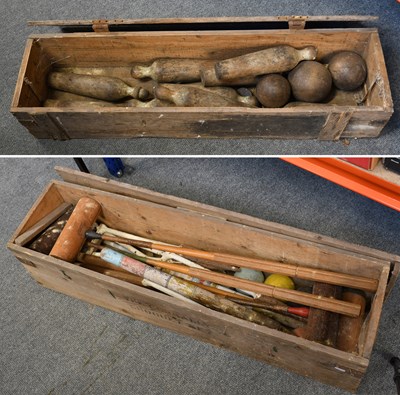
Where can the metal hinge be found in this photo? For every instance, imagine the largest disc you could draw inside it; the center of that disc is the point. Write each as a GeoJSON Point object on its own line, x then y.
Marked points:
{"type": "Point", "coordinates": [100, 26]}
{"type": "Point", "coordinates": [297, 22]}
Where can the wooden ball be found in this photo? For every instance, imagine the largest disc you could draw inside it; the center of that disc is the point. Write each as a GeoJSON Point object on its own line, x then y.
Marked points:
{"type": "Point", "coordinates": [348, 70]}
{"type": "Point", "coordinates": [273, 90]}
{"type": "Point", "coordinates": [311, 81]}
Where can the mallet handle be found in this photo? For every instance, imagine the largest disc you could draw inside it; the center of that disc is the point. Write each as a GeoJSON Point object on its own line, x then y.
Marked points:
{"type": "Point", "coordinates": [319, 302]}
{"type": "Point", "coordinates": [313, 274]}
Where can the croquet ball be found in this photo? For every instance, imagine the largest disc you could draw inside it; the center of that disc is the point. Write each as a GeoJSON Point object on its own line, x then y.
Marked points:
{"type": "Point", "coordinates": [250, 274]}
{"type": "Point", "coordinates": [348, 70]}
{"type": "Point", "coordinates": [311, 81]}
{"type": "Point", "coordinates": [273, 90]}
{"type": "Point", "coordinates": [279, 281]}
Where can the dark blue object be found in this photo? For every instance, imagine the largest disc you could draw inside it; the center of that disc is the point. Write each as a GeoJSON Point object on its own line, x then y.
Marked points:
{"type": "Point", "coordinates": [115, 166]}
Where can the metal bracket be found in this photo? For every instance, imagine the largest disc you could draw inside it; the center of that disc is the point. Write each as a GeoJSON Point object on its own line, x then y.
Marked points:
{"type": "Point", "coordinates": [100, 26]}
{"type": "Point", "coordinates": [297, 22]}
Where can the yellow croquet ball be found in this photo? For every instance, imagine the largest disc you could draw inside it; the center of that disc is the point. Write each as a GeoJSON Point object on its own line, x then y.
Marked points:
{"type": "Point", "coordinates": [280, 281]}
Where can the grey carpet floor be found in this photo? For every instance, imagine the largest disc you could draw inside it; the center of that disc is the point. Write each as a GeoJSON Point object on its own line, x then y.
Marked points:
{"type": "Point", "coordinates": [54, 344]}
{"type": "Point", "coordinates": [14, 31]}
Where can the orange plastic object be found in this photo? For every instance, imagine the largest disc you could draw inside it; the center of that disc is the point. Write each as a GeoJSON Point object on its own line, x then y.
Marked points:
{"type": "Point", "coordinates": [360, 181]}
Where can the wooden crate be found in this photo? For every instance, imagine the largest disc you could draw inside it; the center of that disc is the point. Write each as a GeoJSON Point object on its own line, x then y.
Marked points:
{"type": "Point", "coordinates": [176, 220]}
{"type": "Point", "coordinates": [204, 38]}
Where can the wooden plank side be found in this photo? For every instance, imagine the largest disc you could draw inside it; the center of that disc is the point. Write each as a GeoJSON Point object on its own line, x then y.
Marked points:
{"type": "Point", "coordinates": [45, 222]}
{"type": "Point", "coordinates": [31, 88]}
{"type": "Point", "coordinates": [25, 119]}
{"type": "Point", "coordinates": [108, 185]}
{"type": "Point", "coordinates": [178, 226]}
{"type": "Point", "coordinates": [367, 122]}
{"type": "Point", "coordinates": [374, 315]}
{"type": "Point", "coordinates": [51, 123]}
{"type": "Point", "coordinates": [47, 201]}
{"type": "Point", "coordinates": [228, 19]}
{"type": "Point", "coordinates": [319, 362]}
{"type": "Point", "coordinates": [121, 49]}
{"type": "Point", "coordinates": [36, 72]}
{"type": "Point", "coordinates": [20, 88]}
{"type": "Point", "coordinates": [377, 84]}
{"type": "Point", "coordinates": [186, 123]}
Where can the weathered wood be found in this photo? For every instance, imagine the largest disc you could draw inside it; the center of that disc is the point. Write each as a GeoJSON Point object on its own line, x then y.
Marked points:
{"type": "Point", "coordinates": [171, 70]}
{"type": "Point", "coordinates": [318, 361]}
{"type": "Point", "coordinates": [277, 59]}
{"type": "Point", "coordinates": [314, 274]}
{"type": "Point", "coordinates": [207, 122]}
{"type": "Point", "coordinates": [31, 233]}
{"type": "Point", "coordinates": [100, 52]}
{"type": "Point", "coordinates": [175, 226]}
{"type": "Point", "coordinates": [123, 73]}
{"type": "Point", "coordinates": [26, 119]}
{"type": "Point", "coordinates": [206, 227]}
{"type": "Point", "coordinates": [229, 19]}
{"type": "Point", "coordinates": [92, 181]}
{"type": "Point", "coordinates": [48, 201]}
{"type": "Point", "coordinates": [349, 328]}
{"type": "Point", "coordinates": [317, 301]}
{"type": "Point", "coordinates": [379, 92]}
{"type": "Point", "coordinates": [335, 124]}
{"type": "Point", "coordinates": [366, 343]}
{"type": "Point", "coordinates": [31, 89]}
{"type": "Point", "coordinates": [91, 49]}
{"type": "Point", "coordinates": [21, 92]}
{"type": "Point", "coordinates": [52, 124]}
{"type": "Point", "coordinates": [317, 328]}
{"type": "Point", "coordinates": [98, 87]}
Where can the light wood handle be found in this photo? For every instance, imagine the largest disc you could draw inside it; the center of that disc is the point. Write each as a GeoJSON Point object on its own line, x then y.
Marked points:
{"type": "Point", "coordinates": [317, 301]}
{"type": "Point", "coordinates": [306, 273]}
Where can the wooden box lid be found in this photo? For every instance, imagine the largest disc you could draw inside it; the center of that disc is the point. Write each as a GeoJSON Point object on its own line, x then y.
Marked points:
{"type": "Point", "coordinates": [215, 23]}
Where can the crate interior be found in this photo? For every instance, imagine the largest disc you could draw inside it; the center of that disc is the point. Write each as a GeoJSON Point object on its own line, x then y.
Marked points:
{"type": "Point", "coordinates": [122, 50]}
{"type": "Point", "coordinates": [192, 229]}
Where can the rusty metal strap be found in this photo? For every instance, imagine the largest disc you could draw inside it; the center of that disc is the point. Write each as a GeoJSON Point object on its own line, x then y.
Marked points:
{"type": "Point", "coordinates": [336, 123]}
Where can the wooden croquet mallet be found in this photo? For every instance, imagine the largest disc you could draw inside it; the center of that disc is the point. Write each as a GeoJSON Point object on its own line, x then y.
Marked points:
{"type": "Point", "coordinates": [72, 237]}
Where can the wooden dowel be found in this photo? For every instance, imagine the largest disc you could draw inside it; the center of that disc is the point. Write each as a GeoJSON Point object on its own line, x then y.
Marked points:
{"type": "Point", "coordinates": [313, 274]}
{"type": "Point", "coordinates": [128, 277]}
{"type": "Point", "coordinates": [288, 321]}
{"type": "Point", "coordinates": [220, 292]}
{"type": "Point", "coordinates": [87, 260]}
{"type": "Point", "coordinates": [125, 276]}
{"type": "Point", "coordinates": [298, 311]}
{"type": "Point", "coordinates": [317, 301]}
